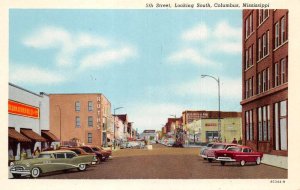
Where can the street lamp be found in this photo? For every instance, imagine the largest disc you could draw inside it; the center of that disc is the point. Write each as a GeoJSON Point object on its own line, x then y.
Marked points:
{"type": "Point", "coordinates": [115, 125]}
{"type": "Point", "coordinates": [219, 117]}
{"type": "Point", "coordinates": [59, 123]}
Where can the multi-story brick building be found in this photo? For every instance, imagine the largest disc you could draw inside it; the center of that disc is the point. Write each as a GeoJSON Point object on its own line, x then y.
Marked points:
{"type": "Point", "coordinates": [265, 80]}
{"type": "Point", "coordinates": [83, 117]}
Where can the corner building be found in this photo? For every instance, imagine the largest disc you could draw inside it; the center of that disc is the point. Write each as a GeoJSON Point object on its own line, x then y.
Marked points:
{"type": "Point", "coordinates": [265, 80]}
{"type": "Point", "coordinates": [80, 118]}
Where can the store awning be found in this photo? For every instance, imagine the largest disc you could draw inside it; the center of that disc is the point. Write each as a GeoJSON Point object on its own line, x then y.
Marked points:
{"type": "Point", "coordinates": [32, 135]}
{"type": "Point", "coordinates": [15, 135]}
{"type": "Point", "coordinates": [49, 136]}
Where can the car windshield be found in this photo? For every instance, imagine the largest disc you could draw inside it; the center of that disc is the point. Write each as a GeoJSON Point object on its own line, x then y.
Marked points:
{"type": "Point", "coordinates": [218, 146]}
{"type": "Point", "coordinates": [234, 149]}
{"type": "Point", "coordinates": [209, 145]}
{"type": "Point", "coordinates": [95, 149]}
{"type": "Point", "coordinates": [87, 149]}
{"type": "Point", "coordinates": [45, 156]}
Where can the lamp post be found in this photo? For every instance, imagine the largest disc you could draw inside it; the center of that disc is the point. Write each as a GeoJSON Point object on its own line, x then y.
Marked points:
{"type": "Point", "coordinates": [115, 126]}
{"type": "Point", "coordinates": [219, 115]}
{"type": "Point", "coordinates": [59, 123]}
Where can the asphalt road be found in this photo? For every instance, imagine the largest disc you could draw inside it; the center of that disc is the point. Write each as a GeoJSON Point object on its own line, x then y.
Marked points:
{"type": "Point", "coordinates": [168, 163]}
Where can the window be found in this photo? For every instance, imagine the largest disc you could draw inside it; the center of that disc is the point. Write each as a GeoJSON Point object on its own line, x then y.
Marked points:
{"type": "Point", "coordinates": [90, 106]}
{"type": "Point", "coordinates": [259, 83]}
{"type": "Point", "coordinates": [259, 49]}
{"type": "Point", "coordinates": [250, 87]}
{"type": "Point", "coordinates": [77, 121]}
{"type": "Point", "coordinates": [249, 125]}
{"type": "Point", "coordinates": [247, 60]}
{"type": "Point", "coordinates": [247, 87]}
{"type": "Point", "coordinates": [264, 45]}
{"type": "Point", "coordinates": [276, 74]}
{"type": "Point", "coordinates": [260, 18]}
{"type": "Point", "coordinates": [90, 121]}
{"type": "Point", "coordinates": [283, 75]}
{"type": "Point", "coordinates": [251, 23]}
{"type": "Point", "coordinates": [268, 78]}
{"type": "Point", "coordinates": [266, 14]}
{"type": "Point", "coordinates": [77, 106]}
{"type": "Point", "coordinates": [264, 112]}
{"type": "Point", "coordinates": [250, 56]}
{"type": "Point", "coordinates": [281, 125]}
{"type": "Point", "coordinates": [276, 35]}
{"type": "Point", "coordinates": [282, 30]}
{"type": "Point", "coordinates": [262, 15]}
{"type": "Point", "coordinates": [268, 123]}
{"type": "Point", "coordinates": [259, 124]}
{"type": "Point", "coordinates": [89, 137]}
{"type": "Point", "coordinates": [70, 155]}
{"type": "Point", "coordinates": [60, 155]}
{"type": "Point", "coordinates": [247, 27]}
{"type": "Point", "coordinates": [264, 81]}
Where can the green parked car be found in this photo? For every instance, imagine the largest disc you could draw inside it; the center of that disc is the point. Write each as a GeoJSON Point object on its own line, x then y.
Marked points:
{"type": "Point", "coordinates": [50, 161]}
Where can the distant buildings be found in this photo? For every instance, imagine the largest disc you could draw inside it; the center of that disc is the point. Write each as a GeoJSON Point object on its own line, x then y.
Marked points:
{"type": "Point", "coordinates": [149, 135]}
{"type": "Point", "coordinates": [265, 80]}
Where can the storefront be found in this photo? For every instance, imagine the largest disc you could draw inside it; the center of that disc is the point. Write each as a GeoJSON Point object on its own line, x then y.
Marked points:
{"type": "Point", "coordinates": [28, 128]}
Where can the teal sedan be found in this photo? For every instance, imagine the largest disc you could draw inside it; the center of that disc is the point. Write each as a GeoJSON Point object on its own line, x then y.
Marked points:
{"type": "Point", "coordinates": [50, 161]}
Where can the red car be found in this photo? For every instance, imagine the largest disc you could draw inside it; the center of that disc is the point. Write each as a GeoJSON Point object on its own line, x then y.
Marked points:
{"type": "Point", "coordinates": [241, 154]}
{"type": "Point", "coordinates": [105, 153]}
{"type": "Point", "coordinates": [210, 153]}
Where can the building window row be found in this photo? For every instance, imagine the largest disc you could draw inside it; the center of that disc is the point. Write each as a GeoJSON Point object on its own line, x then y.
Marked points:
{"type": "Point", "coordinates": [280, 29]}
{"type": "Point", "coordinates": [77, 106]}
{"type": "Point", "coordinates": [263, 14]}
{"type": "Point", "coordinates": [249, 25]}
{"type": "Point", "coordinates": [78, 123]}
{"type": "Point", "coordinates": [263, 46]}
{"type": "Point", "coordinates": [263, 81]}
{"type": "Point", "coordinates": [249, 87]}
{"type": "Point", "coordinates": [249, 57]}
{"type": "Point", "coordinates": [280, 75]}
{"type": "Point", "coordinates": [281, 115]}
{"type": "Point", "coordinates": [263, 115]}
{"type": "Point", "coordinates": [249, 125]}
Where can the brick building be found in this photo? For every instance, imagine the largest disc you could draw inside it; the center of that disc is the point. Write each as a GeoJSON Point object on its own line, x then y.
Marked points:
{"type": "Point", "coordinates": [80, 117]}
{"type": "Point", "coordinates": [265, 80]}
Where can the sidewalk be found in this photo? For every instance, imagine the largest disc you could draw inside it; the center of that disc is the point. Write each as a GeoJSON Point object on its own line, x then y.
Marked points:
{"type": "Point", "coordinates": [277, 161]}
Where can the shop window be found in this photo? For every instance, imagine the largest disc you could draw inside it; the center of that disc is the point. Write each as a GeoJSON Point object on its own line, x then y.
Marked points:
{"type": "Point", "coordinates": [280, 125]}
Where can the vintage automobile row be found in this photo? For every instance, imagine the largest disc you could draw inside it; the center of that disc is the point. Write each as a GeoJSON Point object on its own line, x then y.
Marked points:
{"type": "Point", "coordinates": [228, 152]}
{"type": "Point", "coordinates": [63, 159]}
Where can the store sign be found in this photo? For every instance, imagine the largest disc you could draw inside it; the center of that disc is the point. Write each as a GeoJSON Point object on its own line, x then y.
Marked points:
{"type": "Point", "coordinates": [210, 124]}
{"type": "Point", "coordinates": [17, 108]}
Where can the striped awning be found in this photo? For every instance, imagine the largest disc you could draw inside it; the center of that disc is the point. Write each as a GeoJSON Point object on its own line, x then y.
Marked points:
{"type": "Point", "coordinates": [32, 135]}
{"type": "Point", "coordinates": [15, 135]}
{"type": "Point", "coordinates": [49, 136]}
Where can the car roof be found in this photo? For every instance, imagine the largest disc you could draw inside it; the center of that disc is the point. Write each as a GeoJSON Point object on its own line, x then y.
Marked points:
{"type": "Point", "coordinates": [55, 151]}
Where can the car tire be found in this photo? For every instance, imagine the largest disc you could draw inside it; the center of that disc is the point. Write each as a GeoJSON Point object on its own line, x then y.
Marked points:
{"type": "Point", "coordinates": [258, 160]}
{"type": "Point", "coordinates": [16, 175]}
{"type": "Point", "coordinates": [222, 163]}
{"type": "Point", "coordinates": [209, 160]}
{"type": "Point", "coordinates": [98, 160]}
{"type": "Point", "coordinates": [205, 158]}
{"type": "Point", "coordinates": [35, 172]}
{"type": "Point", "coordinates": [81, 167]}
{"type": "Point", "coordinates": [242, 162]}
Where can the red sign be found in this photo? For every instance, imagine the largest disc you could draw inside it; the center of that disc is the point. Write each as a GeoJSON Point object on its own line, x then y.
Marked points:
{"type": "Point", "coordinates": [25, 110]}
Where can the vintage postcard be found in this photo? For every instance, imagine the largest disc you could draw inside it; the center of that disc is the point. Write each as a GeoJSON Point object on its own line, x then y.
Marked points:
{"type": "Point", "coordinates": [179, 94]}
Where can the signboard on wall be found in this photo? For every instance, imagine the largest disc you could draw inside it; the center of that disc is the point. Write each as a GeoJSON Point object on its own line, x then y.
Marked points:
{"type": "Point", "coordinates": [25, 110]}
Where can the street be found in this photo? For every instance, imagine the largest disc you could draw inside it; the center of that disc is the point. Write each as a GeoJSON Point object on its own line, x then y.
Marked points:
{"type": "Point", "coordinates": [168, 163]}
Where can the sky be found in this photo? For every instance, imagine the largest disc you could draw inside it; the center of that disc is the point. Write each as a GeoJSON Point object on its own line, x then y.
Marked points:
{"type": "Point", "coordinates": [148, 61]}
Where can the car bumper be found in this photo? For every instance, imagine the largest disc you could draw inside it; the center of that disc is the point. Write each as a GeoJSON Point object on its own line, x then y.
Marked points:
{"type": "Point", "coordinates": [24, 172]}
{"type": "Point", "coordinates": [226, 159]}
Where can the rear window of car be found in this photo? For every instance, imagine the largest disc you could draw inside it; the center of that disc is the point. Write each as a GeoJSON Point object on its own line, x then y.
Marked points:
{"type": "Point", "coordinates": [218, 146]}
{"type": "Point", "coordinates": [87, 149]}
{"type": "Point", "coordinates": [76, 150]}
{"type": "Point", "coordinates": [70, 155]}
{"type": "Point", "coordinates": [209, 145]}
{"type": "Point", "coordinates": [95, 149]}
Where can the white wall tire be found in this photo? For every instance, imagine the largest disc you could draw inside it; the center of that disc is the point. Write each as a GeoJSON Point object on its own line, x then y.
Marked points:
{"type": "Point", "coordinates": [242, 162]}
{"type": "Point", "coordinates": [82, 167]}
{"type": "Point", "coordinates": [258, 160]}
{"type": "Point", "coordinates": [35, 172]}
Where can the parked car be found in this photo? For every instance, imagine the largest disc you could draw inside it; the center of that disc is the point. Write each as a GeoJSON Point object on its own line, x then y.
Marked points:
{"type": "Point", "coordinates": [204, 148]}
{"type": "Point", "coordinates": [105, 153]}
{"type": "Point", "coordinates": [241, 154]}
{"type": "Point", "coordinates": [89, 149]}
{"type": "Point", "coordinates": [80, 152]}
{"type": "Point", "coordinates": [123, 145]}
{"type": "Point", "coordinates": [50, 161]}
{"type": "Point", "coordinates": [210, 153]}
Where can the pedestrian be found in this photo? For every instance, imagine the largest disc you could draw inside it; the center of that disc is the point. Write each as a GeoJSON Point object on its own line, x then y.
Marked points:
{"type": "Point", "coordinates": [234, 141]}
{"type": "Point", "coordinates": [23, 154]}
{"type": "Point", "coordinates": [240, 142]}
{"type": "Point", "coordinates": [37, 152]}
